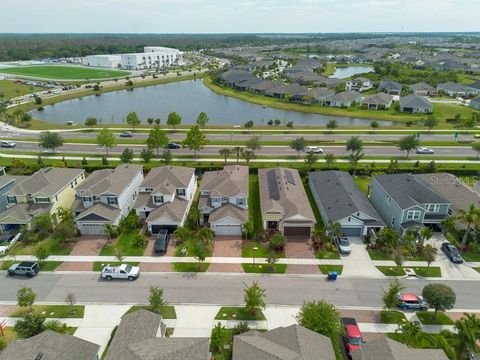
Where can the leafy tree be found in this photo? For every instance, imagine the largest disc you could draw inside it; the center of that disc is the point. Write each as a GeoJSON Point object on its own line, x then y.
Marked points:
{"type": "Point", "coordinates": [298, 145]}
{"type": "Point", "coordinates": [354, 144]}
{"type": "Point", "coordinates": [167, 156]}
{"type": "Point", "coordinates": [133, 120]}
{"type": "Point", "coordinates": [225, 153]}
{"type": "Point", "coordinates": [248, 124]}
{"type": "Point", "coordinates": [311, 159]}
{"type": "Point", "coordinates": [425, 234]}
{"type": "Point", "coordinates": [195, 139]}
{"type": "Point", "coordinates": [390, 299]}
{"type": "Point", "coordinates": [240, 328]}
{"type": "Point", "coordinates": [439, 296]}
{"type": "Point", "coordinates": [254, 297]}
{"type": "Point", "coordinates": [126, 156]}
{"type": "Point", "coordinates": [408, 143]}
{"type": "Point", "coordinates": [156, 299]}
{"type": "Point", "coordinates": [374, 125]}
{"type": "Point", "coordinates": [193, 218]}
{"type": "Point", "coordinates": [30, 325]}
{"type": "Point", "coordinates": [329, 159]}
{"type": "Point", "coordinates": [25, 297]}
{"type": "Point", "coordinates": [430, 122]}
{"type": "Point", "coordinates": [332, 125]}
{"type": "Point", "coordinates": [50, 140]}
{"type": "Point", "coordinates": [182, 234]}
{"type": "Point", "coordinates": [253, 144]}
{"type": "Point", "coordinates": [38, 100]}
{"type": "Point", "coordinates": [174, 120]}
{"type": "Point", "coordinates": [410, 332]}
{"type": "Point", "coordinates": [147, 155]}
{"type": "Point", "coordinates": [139, 241]}
{"type": "Point", "coordinates": [289, 125]}
{"type": "Point", "coordinates": [333, 229]}
{"type": "Point", "coordinates": [219, 338]}
{"type": "Point", "coordinates": [43, 223]}
{"type": "Point", "coordinates": [429, 254]}
{"type": "Point", "coordinates": [71, 300]}
{"type": "Point", "coordinates": [106, 138]}
{"type": "Point", "coordinates": [200, 251]}
{"type": "Point", "coordinates": [157, 138]}
{"type": "Point", "coordinates": [389, 238]}
{"type": "Point", "coordinates": [202, 119]}
{"type": "Point", "coordinates": [150, 121]}
{"type": "Point", "coordinates": [321, 317]}
{"type": "Point", "coordinates": [468, 217]}
{"type": "Point", "coordinates": [277, 242]}
{"type": "Point", "coordinates": [157, 121]}
{"type": "Point", "coordinates": [476, 148]}
{"type": "Point", "coordinates": [468, 329]}
{"type": "Point", "coordinates": [206, 236]}
{"type": "Point", "coordinates": [91, 122]}
{"type": "Point", "coordinates": [66, 230]}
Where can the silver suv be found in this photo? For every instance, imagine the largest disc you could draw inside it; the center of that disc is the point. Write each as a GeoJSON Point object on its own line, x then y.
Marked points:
{"type": "Point", "coordinates": [27, 268]}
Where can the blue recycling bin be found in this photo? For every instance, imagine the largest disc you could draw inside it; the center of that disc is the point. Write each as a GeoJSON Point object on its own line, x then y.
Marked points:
{"type": "Point", "coordinates": [332, 275]}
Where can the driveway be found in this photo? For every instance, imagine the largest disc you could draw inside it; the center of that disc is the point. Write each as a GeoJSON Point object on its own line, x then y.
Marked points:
{"type": "Point", "coordinates": [195, 320]}
{"type": "Point", "coordinates": [90, 245]}
{"type": "Point", "coordinates": [149, 250]}
{"type": "Point", "coordinates": [299, 248]}
{"type": "Point", "coordinates": [227, 246]}
{"type": "Point", "coordinates": [358, 263]}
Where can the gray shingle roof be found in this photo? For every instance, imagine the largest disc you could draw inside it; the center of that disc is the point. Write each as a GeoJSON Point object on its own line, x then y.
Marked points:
{"type": "Point", "coordinates": [455, 87]}
{"type": "Point", "coordinates": [53, 346]}
{"type": "Point", "coordinates": [387, 84]}
{"type": "Point", "coordinates": [379, 99]}
{"type": "Point", "coordinates": [284, 343]}
{"type": "Point", "coordinates": [421, 86]}
{"type": "Point", "coordinates": [229, 210]}
{"type": "Point", "coordinates": [345, 96]}
{"type": "Point", "coordinates": [7, 179]}
{"type": "Point", "coordinates": [406, 190]}
{"type": "Point", "coordinates": [231, 181]}
{"type": "Point", "coordinates": [415, 101]}
{"type": "Point", "coordinates": [99, 212]}
{"type": "Point", "coordinates": [340, 197]}
{"type": "Point", "coordinates": [166, 179]}
{"type": "Point", "coordinates": [173, 210]}
{"type": "Point", "coordinates": [24, 212]}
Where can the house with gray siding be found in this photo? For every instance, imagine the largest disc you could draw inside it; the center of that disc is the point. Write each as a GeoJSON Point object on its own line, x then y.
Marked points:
{"type": "Point", "coordinates": [6, 183]}
{"type": "Point", "coordinates": [343, 99]}
{"type": "Point", "coordinates": [414, 104]}
{"type": "Point", "coordinates": [390, 87]}
{"type": "Point", "coordinates": [340, 200]}
{"type": "Point", "coordinates": [475, 103]}
{"type": "Point", "coordinates": [404, 200]}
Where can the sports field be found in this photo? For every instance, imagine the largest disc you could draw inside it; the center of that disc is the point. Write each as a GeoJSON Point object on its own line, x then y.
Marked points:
{"type": "Point", "coordinates": [63, 72]}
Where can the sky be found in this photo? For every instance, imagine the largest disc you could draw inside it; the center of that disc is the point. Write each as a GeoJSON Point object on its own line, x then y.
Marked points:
{"type": "Point", "coordinates": [244, 16]}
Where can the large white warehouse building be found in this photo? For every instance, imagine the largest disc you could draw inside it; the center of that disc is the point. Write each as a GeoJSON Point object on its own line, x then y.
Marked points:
{"type": "Point", "coordinates": [104, 61]}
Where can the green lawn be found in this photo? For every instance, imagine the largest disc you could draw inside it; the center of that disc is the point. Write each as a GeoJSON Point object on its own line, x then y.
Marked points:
{"type": "Point", "coordinates": [10, 90]}
{"type": "Point", "coordinates": [325, 269]}
{"type": "Point", "coordinates": [237, 313]}
{"type": "Point", "coordinates": [469, 256]}
{"type": "Point", "coordinates": [426, 318]}
{"type": "Point", "coordinates": [63, 72]}
{"type": "Point", "coordinates": [254, 211]}
{"type": "Point", "coordinates": [98, 265]}
{"type": "Point", "coordinates": [167, 311]}
{"type": "Point", "coordinates": [49, 265]}
{"type": "Point", "coordinates": [54, 311]}
{"type": "Point", "coordinates": [363, 182]}
{"type": "Point", "coordinates": [190, 267]}
{"type": "Point", "coordinates": [124, 244]}
{"type": "Point", "coordinates": [262, 251]}
{"type": "Point", "coordinates": [265, 268]}
{"type": "Point", "coordinates": [313, 204]}
{"type": "Point", "coordinates": [52, 244]}
{"type": "Point", "coordinates": [379, 255]}
{"type": "Point", "coordinates": [422, 341]}
{"type": "Point", "coordinates": [9, 335]}
{"type": "Point", "coordinates": [392, 317]}
{"type": "Point", "coordinates": [324, 254]}
{"type": "Point", "coordinates": [391, 270]}
{"type": "Point", "coordinates": [477, 269]}
{"type": "Point", "coordinates": [432, 271]}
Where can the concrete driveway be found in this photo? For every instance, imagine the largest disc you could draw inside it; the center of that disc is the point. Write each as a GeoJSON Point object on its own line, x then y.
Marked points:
{"type": "Point", "coordinates": [358, 263]}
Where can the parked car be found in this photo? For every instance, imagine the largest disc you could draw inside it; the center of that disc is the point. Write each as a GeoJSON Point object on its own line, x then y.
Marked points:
{"type": "Point", "coordinates": [424, 150]}
{"type": "Point", "coordinates": [313, 149]}
{"type": "Point", "coordinates": [343, 245]}
{"type": "Point", "coordinates": [126, 134]}
{"type": "Point", "coordinates": [122, 271]}
{"type": "Point", "coordinates": [26, 268]}
{"type": "Point", "coordinates": [411, 301]}
{"type": "Point", "coordinates": [353, 335]}
{"type": "Point", "coordinates": [7, 144]}
{"type": "Point", "coordinates": [452, 253]}
{"type": "Point", "coordinates": [173, 145]}
{"type": "Point", "coordinates": [161, 242]}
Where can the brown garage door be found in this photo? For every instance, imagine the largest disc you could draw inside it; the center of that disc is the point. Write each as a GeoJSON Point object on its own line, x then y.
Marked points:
{"type": "Point", "coordinates": [295, 231]}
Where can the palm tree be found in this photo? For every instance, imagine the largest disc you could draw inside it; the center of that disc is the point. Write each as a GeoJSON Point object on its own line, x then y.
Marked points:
{"type": "Point", "coordinates": [206, 235]}
{"type": "Point", "coordinates": [468, 328]}
{"type": "Point", "coordinates": [237, 150]}
{"type": "Point", "coordinates": [333, 229]}
{"type": "Point", "coordinates": [248, 229]}
{"type": "Point", "coordinates": [225, 153]}
{"type": "Point", "coordinates": [468, 217]}
{"type": "Point", "coordinates": [410, 331]}
{"type": "Point", "coordinates": [425, 234]}
{"type": "Point", "coordinates": [248, 155]}
{"type": "Point", "coordinates": [193, 217]}
{"type": "Point", "coordinates": [182, 234]}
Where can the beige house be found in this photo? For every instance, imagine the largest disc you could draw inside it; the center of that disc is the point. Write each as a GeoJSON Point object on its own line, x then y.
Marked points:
{"type": "Point", "coordinates": [284, 203]}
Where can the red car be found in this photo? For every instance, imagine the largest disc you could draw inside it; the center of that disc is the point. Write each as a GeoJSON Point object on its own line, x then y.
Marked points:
{"type": "Point", "coordinates": [353, 335]}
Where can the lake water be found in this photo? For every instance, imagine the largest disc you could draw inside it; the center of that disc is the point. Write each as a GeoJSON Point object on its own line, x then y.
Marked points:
{"type": "Point", "coordinates": [187, 98]}
{"type": "Point", "coordinates": [345, 72]}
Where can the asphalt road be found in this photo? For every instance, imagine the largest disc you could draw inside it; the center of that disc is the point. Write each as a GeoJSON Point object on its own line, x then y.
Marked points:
{"type": "Point", "coordinates": [221, 289]}
{"type": "Point", "coordinates": [265, 150]}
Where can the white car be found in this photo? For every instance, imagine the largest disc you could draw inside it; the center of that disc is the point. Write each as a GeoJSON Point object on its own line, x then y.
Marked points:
{"type": "Point", "coordinates": [7, 144]}
{"type": "Point", "coordinates": [343, 245]}
{"type": "Point", "coordinates": [424, 150]}
{"type": "Point", "coordinates": [122, 271]}
{"type": "Point", "coordinates": [313, 149]}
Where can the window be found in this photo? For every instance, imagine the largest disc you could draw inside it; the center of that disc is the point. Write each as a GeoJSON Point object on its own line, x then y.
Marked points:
{"type": "Point", "coordinates": [216, 200]}
{"type": "Point", "coordinates": [224, 200]}
{"type": "Point", "coordinates": [393, 221]}
{"type": "Point", "coordinates": [11, 199]}
{"type": "Point", "coordinates": [433, 207]}
{"type": "Point", "coordinates": [241, 201]}
{"type": "Point", "coordinates": [96, 198]}
{"type": "Point", "coordinates": [180, 192]}
{"type": "Point", "coordinates": [148, 189]}
{"type": "Point", "coordinates": [387, 199]}
{"type": "Point", "coordinates": [87, 199]}
{"type": "Point", "coordinates": [158, 199]}
{"type": "Point", "coordinates": [413, 215]}
{"type": "Point", "coordinates": [42, 200]}
{"type": "Point", "coordinates": [112, 200]}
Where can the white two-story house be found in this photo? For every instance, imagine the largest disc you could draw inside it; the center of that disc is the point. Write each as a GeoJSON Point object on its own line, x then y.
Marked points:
{"type": "Point", "coordinates": [105, 197]}
{"type": "Point", "coordinates": [223, 200]}
{"type": "Point", "coordinates": [165, 197]}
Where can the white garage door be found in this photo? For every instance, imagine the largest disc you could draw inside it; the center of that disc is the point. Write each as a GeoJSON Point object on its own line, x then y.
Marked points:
{"type": "Point", "coordinates": [227, 229]}
{"type": "Point", "coordinates": [92, 229]}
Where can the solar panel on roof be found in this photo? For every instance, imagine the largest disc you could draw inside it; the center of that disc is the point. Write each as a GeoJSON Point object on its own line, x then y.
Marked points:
{"type": "Point", "coordinates": [272, 186]}
{"type": "Point", "coordinates": [289, 176]}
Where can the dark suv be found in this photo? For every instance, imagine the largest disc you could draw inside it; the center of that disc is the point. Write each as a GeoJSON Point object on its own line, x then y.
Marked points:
{"type": "Point", "coordinates": [27, 268]}
{"type": "Point", "coordinates": [161, 243]}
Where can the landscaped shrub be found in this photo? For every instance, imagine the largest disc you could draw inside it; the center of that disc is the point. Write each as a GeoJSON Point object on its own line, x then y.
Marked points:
{"type": "Point", "coordinates": [277, 242]}
{"type": "Point", "coordinates": [139, 241]}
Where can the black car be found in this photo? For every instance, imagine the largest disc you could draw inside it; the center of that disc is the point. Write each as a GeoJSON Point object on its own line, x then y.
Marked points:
{"type": "Point", "coordinates": [161, 243]}
{"type": "Point", "coordinates": [27, 268]}
{"type": "Point", "coordinates": [452, 253]}
{"type": "Point", "coordinates": [173, 145]}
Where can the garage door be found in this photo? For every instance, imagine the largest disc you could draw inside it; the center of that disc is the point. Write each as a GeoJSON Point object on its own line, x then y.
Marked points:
{"type": "Point", "coordinates": [227, 229]}
{"type": "Point", "coordinates": [352, 231]}
{"type": "Point", "coordinates": [170, 228]}
{"type": "Point", "coordinates": [296, 231]}
{"type": "Point", "coordinates": [92, 229]}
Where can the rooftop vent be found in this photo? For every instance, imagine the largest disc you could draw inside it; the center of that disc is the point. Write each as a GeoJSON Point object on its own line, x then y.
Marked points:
{"type": "Point", "coordinates": [39, 356]}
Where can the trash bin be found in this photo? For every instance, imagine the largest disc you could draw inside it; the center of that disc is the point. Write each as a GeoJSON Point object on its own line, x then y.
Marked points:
{"type": "Point", "coordinates": [332, 275]}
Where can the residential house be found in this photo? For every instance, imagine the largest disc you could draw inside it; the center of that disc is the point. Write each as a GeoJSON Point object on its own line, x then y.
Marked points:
{"type": "Point", "coordinates": [414, 104]}
{"type": "Point", "coordinates": [404, 201]}
{"type": "Point", "coordinates": [105, 197]}
{"type": "Point", "coordinates": [380, 101]}
{"type": "Point", "coordinates": [50, 345]}
{"type": "Point", "coordinates": [141, 336]}
{"type": "Point", "coordinates": [2, 170]}
{"type": "Point", "coordinates": [390, 87]}
{"type": "Point", "coordinates": [7, 182]}
{"type": "Point", "coordinates": [422, 89]}
{"type": "Point", "coordinates": [359, 84]}
{"type": "Point", "coordinates": [284, 343]}
{"type": "Point", "coordinates": [340, 200]}
{"type": "Point", "coordinates": [312, 96]}
{"type": "Point", "coordinates": [263, 86]}
{"type": "Point", "coordinates": [284, 90]}
{"type": "Point", "coordinates": [165, 197]}
{"type": "Point", "coordinates": [475, 103]}
{"type": "Point", "coordinates": [45, 191]}
{"type": "Point", "coordinates": [223, 200]}
{"type": "Point", "coordinates": [343, 99]}
{"type": "Point", "coordinates": [454, 89]}
{"type": "Point", "coordinates": [388, 349]}
{"type": "Point", "coordinates": [284, 203]}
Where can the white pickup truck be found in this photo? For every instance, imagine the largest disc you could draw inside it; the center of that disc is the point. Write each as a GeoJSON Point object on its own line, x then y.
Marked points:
{"type": "Point", "coordinates": [123, 271]}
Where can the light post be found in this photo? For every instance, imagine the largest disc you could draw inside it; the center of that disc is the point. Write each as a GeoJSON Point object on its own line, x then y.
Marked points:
{"type": "Point", "coordinates": [254, 248]}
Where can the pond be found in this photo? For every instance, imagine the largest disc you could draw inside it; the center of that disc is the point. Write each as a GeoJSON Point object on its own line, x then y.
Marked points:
{"type": "Point", "coordinates": [347, 71]}
{"type": "Point", "coordinates": [187, 98]}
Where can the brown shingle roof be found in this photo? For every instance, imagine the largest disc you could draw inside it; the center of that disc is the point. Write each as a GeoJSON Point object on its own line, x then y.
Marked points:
{"type": "Point", "coordinates": [231, 181]}
{"type": "Point", "coordinates": [112, 181]}
{"type": "Point", "coordinates": [166, 179]}
{"type": "Point", "coordinates": [174, 210]}
{"type": "Point", "coordinates": [229, 210]}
